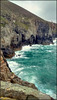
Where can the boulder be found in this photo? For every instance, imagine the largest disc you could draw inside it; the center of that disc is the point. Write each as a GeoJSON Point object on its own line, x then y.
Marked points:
{"type": "Point", "coordinates": [20, 92]}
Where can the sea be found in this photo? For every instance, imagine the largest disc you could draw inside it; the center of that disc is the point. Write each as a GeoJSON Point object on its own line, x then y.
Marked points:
{"type": "Point", "coordinates": [37, 64]}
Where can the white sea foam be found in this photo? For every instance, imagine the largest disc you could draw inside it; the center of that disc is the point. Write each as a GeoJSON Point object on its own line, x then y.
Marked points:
{"type": "Point", "coordinates": [32, 79]}
{"type": "Point", "coordinates": [26, 48]}
{"type": "Point", "coordinates": [49, 50]}
{"type": "Point", "coordinates": [13, 65]}
{"type": "Point", "coordinates": [19, 69]}
{"type": "Point", "coordinates": [21, 73]}
{"type": "Point", "coordinates": [55, 41]}
{"type": "Point", "coordinates": [50, 92]}
{"type": "Point", "coordinates": [35, 46]}
{"type": "Point", "coordinates": [19, 54]}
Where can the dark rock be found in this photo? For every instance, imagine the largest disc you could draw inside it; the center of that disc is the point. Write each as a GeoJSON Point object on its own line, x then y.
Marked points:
{"type": "Point", "coordinates": [8, 52]}
{"type": "Point", "coordinates": [31, 98]}
{"type": "Point", "coordinates": [43, 28]}
{"type": "Point", "coordinates": [23, 38]}
{"type": "Point", "coordinates": [19, 55]}
{"type": "Point", "coordinates": [17, 30]}
{"type": "Point", "coordinates": [32, 39]}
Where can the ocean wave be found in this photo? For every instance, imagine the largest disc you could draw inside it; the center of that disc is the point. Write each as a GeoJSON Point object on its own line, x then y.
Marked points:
{"type": "Point", "coordinates": [49, 51]}
{"type": "Point", "coordinates": [13, 65]}
{"type": "Point", "coordinates": [50, 92]}
{"type": "Point", "coordinates": [26, 48]}
{"type": "Point", "coordinates": [19, 69]}
{"type": "Point", "coordinates": [43, 89]}
{"type": "Point", "coordinates": [19, 54]}
{"type": "Point", "coordinates": [31, 79]}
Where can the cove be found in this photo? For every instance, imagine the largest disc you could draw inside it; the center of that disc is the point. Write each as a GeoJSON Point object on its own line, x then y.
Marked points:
{"type": "Point", "coordinates": [37, 64]}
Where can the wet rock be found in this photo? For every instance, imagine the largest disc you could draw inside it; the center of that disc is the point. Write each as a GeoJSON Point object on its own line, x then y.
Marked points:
{"type": "Point", "coordinates": [8, 52]}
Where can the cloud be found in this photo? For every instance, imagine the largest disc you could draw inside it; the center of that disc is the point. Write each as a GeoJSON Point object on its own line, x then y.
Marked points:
{"type": "Point", "coordinates": [43, 9]}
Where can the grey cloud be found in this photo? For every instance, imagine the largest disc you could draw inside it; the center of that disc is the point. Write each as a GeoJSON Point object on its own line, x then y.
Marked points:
{"type": "Point", "coordinates": [47, 8]}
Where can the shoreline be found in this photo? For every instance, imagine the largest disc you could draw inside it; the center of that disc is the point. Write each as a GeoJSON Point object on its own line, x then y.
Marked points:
{"type": "Point", "coordinates": [20, 48]}
{"type": "Point", "coordinates": [29, 82]}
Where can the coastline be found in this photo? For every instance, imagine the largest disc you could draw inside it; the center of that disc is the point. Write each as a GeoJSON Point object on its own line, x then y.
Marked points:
{"type": "Point", "coordinates": [14, 88]}
{"type": "Point", "coordinates": [32, 45]}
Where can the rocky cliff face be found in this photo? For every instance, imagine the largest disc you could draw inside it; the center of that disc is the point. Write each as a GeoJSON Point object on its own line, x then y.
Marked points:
{"type": "Point", "coordinates": [14, 88]}
{"type": "Point", "coordinates": [20, 27]}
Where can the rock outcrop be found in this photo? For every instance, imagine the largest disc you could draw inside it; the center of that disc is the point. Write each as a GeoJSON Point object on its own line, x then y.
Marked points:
{"type": "Point", "coordinates": [19, 92]}
{"type": "Point", "coordinates": [20, 27]}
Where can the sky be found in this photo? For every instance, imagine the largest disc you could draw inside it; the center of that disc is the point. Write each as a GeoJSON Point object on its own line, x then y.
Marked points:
{"type": "Point", "coordinates": [43, 9]}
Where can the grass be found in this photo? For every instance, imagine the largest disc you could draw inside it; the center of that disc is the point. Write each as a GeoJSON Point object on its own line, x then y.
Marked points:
{"type": "Point", "coordinates": [21, 23]}
{"type": "Point", "coordinates": [3, 21]}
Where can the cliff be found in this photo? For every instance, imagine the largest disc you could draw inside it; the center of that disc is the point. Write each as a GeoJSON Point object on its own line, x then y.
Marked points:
{"type": "Point", "coordinates": [13, 88]}
{"type": "Point", "coordinates": [20, 27]}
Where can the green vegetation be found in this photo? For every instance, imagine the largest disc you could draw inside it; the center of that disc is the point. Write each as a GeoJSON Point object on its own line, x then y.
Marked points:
{"type": "Point", "coordinates": [23, 25]}
{"type": "Point", "coordinates": [3, 21]}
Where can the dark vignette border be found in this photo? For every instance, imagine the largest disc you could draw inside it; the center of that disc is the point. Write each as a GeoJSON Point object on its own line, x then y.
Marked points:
{"type": "Point", "coordinates": [0, 46]}
{"type": "Point", "coordinates": [56, 51]}
{"type": "Point", "coordinates": [56, 40]}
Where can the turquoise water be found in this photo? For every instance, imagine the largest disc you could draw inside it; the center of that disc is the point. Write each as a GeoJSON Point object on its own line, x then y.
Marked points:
{"type": "Point", "coordinates": [37, 64]}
